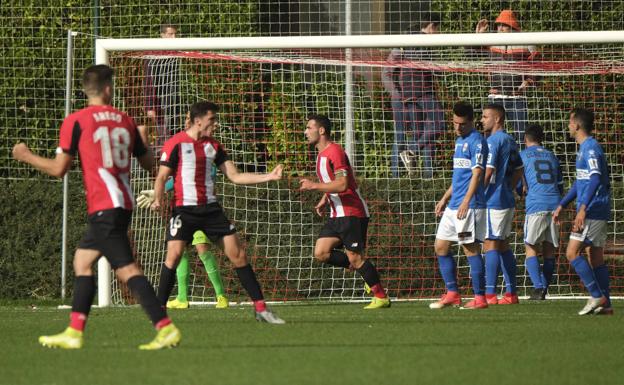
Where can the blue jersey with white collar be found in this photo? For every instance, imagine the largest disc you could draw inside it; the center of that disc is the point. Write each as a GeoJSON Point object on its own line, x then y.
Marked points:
{"type": "Point", "coordinates": [504, 159]}
{"type": "Point", "coordinates": [543, 176]}
{"type": "Point", "coordinates": [590, 159]}
{"type": "Point", "coordinates": [470, 152]}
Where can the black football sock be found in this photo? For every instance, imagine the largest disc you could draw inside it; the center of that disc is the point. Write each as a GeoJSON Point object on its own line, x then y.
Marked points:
{"type": "Point", "coordinates": [248, 279]}
{"type": "Point", "coordinates": [84, 292]}
{"type": "Point", "coordinates": [338, 258]}
{"type": "Point", "coordinates": [369, 273]}
{"type": "Point", "coordinates": [167, 280]}
{"type": "Point", "coordinates": [145, 295]}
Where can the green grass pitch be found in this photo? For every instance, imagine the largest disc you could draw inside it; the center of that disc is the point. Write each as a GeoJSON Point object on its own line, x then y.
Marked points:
{"type": "Point", "coordinates": [532, 343]}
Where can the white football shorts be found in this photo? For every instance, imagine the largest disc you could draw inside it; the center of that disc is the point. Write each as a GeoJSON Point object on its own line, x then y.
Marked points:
{"type": "Point", "coordinates": [594, 233]}
{"type": "Point", "coordinates": [539, 227]}
{"type": "Point", "coordinates": [463, 231]}
{"type": "Point", "coordinates": [499, 224]}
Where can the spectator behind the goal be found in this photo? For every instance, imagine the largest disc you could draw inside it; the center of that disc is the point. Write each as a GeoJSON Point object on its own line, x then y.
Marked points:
{"type": "Point", "coordinates": [162, 91]}
{"type": "Point", "coordinates": [506, 89]}
{"type": "Point", "coordinates": [418, 116]}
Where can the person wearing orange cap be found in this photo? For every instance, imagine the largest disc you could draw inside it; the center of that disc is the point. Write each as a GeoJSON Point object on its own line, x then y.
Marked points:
{"type": "Point", "coordinates": [509, 89]}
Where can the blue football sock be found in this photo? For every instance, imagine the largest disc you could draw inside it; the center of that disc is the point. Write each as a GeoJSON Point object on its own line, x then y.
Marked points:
{"type": "Point", "coordinates": [533, 268]}
{"type": "Point", "coordinates": [492, 264]}
{"type": "Point", "coordinates": [448, 271]}
{"type": "Point", "coordinates": [508, 262]}
{"type": "Point", "coordinates": [602, 276]}
{"type": "Point", "coordinates": [548, 269]}
{"type": "Point", "coordinates": [477, 274]}
{"type": "Point", "coordinates": [585, 272]}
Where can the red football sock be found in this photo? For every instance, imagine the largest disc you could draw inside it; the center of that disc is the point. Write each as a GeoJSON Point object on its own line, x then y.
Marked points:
{"type": "Point", "coordinates": [162, 323]}
{"type": "Point", "coordinates": [379, 291]}
{"type": "Point", "coordinates": [260, 305]}
{"type": "Point", "coordinates": [77, 321]}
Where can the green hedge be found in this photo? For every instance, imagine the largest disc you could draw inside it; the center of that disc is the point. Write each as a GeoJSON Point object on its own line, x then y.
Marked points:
{"type": "Point", "coordinates": [30, 242]}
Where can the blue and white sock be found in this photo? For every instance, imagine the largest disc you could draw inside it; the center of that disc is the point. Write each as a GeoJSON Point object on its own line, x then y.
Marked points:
{"type": "Point", "coordinates": [533, 268]}
{"type": "Point", "coordinates": [477, 274]}
{"type": "Point", "coordinates": [585, 272]}
{"type": "Point", "coordinates": [492, 265]}
{"type": "Point", "coordinates": [508, 262]}
{"type": "Point", "coordinates": [602, 276]}
{"type": "Point", "coordinates": [548, 269]}
{"type": "Point", "coordinates": [448, 270]}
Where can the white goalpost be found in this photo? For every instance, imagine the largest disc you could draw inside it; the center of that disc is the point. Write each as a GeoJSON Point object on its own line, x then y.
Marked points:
{"type": "Point", "coordinates": [268, 85]}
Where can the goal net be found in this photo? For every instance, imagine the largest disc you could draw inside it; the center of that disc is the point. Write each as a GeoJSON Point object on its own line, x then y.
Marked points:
{"type": "Point", "coordinates": [397, 133]}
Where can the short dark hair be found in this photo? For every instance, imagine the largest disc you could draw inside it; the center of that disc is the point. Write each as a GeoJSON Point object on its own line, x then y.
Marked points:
{"type": "Point", "coordinates": [585, 118]}
{"type": "Point", "coordinates": [163, 27]}
{"type": "Point", "coordinates": [500, 110]}
{"type": "Point", "coordinates": [534, 133]}
{"type": "Point", "coordinates": [96, 77]}
{"type": "Point", "coordinates": [434, 18]}
{"type": "Point", "coordinates": [200, 109]}
{"type": "Point", "coordinates": [463, 110]}
{"type": "Point", "coordinates": [322, 121]}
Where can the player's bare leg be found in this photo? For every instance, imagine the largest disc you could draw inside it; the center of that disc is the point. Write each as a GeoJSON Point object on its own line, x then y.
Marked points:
{"type": "Point", "coordinates": [235, 251]}
{"type": "Point", "coordinates": [326, 251]}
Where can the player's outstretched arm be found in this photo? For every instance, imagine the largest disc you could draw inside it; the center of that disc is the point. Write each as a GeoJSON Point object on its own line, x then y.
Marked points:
{"type": "Point", "coordinates": [56, 167]}
{"type": "Point", "coordinates": [338, 185]}
{"type": "Point", "coordinates": [228, 168]}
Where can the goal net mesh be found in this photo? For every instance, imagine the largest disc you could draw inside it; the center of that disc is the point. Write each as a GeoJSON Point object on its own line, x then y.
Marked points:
{"type": "Point", "coordinates": [265, 97]}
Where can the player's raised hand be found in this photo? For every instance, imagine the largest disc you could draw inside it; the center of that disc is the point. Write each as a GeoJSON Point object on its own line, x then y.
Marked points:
{"type": "Point", "coordinates": [21, 152]}
{"type": "Point", "coordinates": [320, 207]}
{"type": "Point", "coordinates": [276, 174]}
{"type": "Point", "coordinates": [145, 199]}
{"type": "Point", "coordinates": [482, 26]}
{"type": "Point", "coordinates": [306, 185]}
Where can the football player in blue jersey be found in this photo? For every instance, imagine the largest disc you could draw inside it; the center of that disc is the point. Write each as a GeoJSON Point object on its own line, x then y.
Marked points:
{"type": "Point", "coordinates": [544, 182]}
{"type": "Point", "coordinates": [463, 220]}
{"type": "Point", "coordinates": [592, 191]}
{"type": "Point", "coordinates": [503, 171]}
